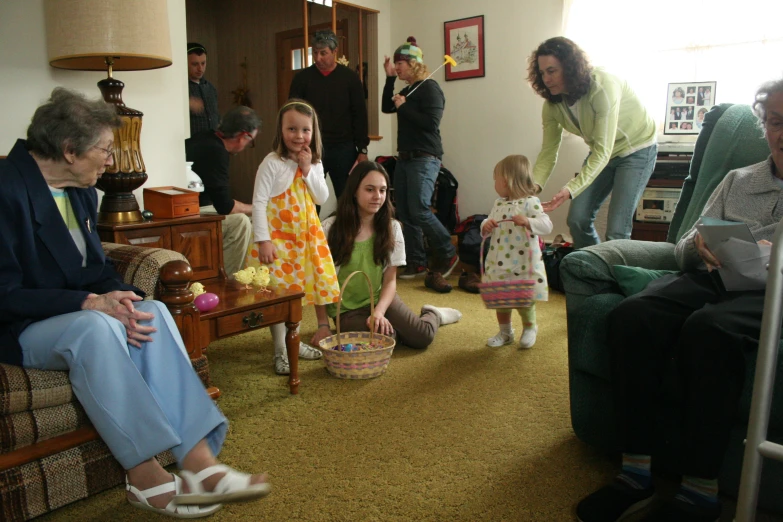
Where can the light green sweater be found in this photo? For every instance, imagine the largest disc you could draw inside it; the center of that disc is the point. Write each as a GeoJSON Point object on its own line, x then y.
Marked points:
{"type": "Point", "coordinates": [612, 121]}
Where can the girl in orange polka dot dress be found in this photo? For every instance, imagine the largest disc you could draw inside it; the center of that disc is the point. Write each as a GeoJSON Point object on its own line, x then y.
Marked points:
{"type": "Point", "coordinates": [287, 232]}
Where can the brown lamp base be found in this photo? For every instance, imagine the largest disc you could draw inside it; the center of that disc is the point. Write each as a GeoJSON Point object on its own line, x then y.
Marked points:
{"type": "Point", "coordinates": [133, 216]}
{"type": "Point", "coordinates": [119, 208]}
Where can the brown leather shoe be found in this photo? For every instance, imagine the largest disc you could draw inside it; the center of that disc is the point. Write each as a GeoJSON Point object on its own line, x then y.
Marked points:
{"type": "Point", "coordinates": [436, 281]}
{"type": "Point", "coordinates": [469, 282]}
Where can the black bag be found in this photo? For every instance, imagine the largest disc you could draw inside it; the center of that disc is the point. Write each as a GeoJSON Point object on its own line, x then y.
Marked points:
{"type": "Point", "coordinates": [552, 258]}
{"type": "Point", "coordinates": [469, 240]}
{"type": "Point", "coordinates": [388, 163]}
{"type": "Point", "coordinates": [444, 199]}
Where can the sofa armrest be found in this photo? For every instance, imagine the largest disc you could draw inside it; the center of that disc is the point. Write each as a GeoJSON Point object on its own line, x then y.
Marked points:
{"type": "Point", "coordinates": [589, 272]}
{"type": "Point", "coordinates": [140, 266]}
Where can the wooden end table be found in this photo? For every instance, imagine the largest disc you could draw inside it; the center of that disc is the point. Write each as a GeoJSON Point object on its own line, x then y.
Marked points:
{"type": "Point", "coordinates": [240, 310]}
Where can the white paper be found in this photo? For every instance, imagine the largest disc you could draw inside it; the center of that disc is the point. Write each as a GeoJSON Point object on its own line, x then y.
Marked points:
{"type": "Point", "coordinates": [743, 261]}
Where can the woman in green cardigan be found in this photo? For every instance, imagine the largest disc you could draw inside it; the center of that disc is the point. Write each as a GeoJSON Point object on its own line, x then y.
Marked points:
{"type": "Point", "coordinates": [606, 113]}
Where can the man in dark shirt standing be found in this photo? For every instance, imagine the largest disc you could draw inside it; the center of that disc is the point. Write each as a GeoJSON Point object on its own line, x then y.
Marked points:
{"type": "Point", "coordinates": [210, 152]}
{"type": "Point", "coordinates": [204, 113]}
{"type": "Point", "coordinates": [337, 95]}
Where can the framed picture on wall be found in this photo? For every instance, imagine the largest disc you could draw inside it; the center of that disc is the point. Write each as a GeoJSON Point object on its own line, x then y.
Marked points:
{"type": "Point", "coordinates": [464, 41]}
{"type": "Point", "coordinates": [686, 105]}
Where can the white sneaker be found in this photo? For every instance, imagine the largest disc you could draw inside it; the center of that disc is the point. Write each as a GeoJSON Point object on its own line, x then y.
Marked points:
{"type": "Point", "coordinates": [501, 339]}
{"type": "Point", "coordinates": [308, 352]}
{"type": "Point", "coordinates": [281, 365]}
{"type": "Point", "coordinates": [528, 338]}
{"type": "Point", "coordinates": [446, 315]}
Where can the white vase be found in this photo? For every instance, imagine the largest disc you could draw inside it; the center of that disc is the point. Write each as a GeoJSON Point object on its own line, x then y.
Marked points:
{"type": "Point", "coordinates": [194, 182]}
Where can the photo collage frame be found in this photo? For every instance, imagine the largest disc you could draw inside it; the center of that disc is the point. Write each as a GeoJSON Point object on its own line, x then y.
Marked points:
{"type": "Point", "coordinates": [686, 105]}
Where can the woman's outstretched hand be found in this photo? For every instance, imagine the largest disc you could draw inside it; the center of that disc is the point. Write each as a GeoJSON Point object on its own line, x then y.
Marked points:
{"type": "Point", "coordinates": [557, 200]}
{"type": "Point", "coordinates": [705, 253]}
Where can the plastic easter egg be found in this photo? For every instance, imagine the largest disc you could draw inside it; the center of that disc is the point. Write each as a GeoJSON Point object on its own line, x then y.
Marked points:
{"type": "Point", "coordinates": [206, 302]}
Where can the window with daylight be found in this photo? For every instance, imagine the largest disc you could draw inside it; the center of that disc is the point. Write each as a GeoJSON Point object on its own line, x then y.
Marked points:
{"type": "Point", "coordinates": [653, 43]}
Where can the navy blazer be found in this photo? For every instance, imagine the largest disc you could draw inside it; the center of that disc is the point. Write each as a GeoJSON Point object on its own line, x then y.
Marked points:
{"type": "Point", "coordinates": [41, 273]}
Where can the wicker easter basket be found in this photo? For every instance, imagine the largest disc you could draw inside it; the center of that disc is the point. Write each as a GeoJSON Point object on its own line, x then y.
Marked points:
{"type": "Point", "coordinates": [516, 293]}
{"type": "Point", "coordinates": [360, 364]}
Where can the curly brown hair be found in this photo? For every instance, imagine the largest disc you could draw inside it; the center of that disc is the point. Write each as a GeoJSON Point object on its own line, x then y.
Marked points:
{"type": "Point", "coordinates": [576, 69]}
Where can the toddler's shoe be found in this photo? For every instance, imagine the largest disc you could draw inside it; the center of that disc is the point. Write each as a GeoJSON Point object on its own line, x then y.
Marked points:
{"type": "Point", "coordinates": [501, 339]}
{"type": "Point", "coordinates": [528, 338]}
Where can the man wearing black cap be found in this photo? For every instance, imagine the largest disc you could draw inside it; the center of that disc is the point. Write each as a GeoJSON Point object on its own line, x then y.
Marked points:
{"type": "Point", "coordinates": [204, 115]}
{"type": "Point", "coordinates": [337, 95]}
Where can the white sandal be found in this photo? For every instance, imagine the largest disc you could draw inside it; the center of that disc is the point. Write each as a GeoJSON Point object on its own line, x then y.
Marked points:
{"type": "Point", "coordinates": [233, 487]}
{"type": "Point", "coordinates": [309, 352]}
{"type": "Point", "coordinates": [172, 509]}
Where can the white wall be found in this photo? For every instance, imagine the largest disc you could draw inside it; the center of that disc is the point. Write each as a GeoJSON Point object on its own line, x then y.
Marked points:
{"type": "Point", "coordinates": [485, 119]}
{"type": "Point", "coordinates": [489, 118]}
{"type": "Point", "coordinates": [26, 80]}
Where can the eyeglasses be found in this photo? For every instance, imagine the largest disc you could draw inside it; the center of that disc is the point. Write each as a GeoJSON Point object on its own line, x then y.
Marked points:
{"type": "Point", "coordinates": [108, 152]}
{"type": "Point", "coordinates": [252, 140]}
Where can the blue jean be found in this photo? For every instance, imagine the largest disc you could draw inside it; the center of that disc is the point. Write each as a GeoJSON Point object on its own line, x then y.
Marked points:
{"type": "Point", "coordinates": [625, 178]}
{"type": "Point", "coordinates": [414, 183]}
{"type": "Point", "coordinates": [141, 401]}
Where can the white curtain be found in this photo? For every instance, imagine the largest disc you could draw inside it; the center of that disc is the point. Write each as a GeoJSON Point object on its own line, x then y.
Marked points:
{"type": "Point", "coordinates": [651, 43]}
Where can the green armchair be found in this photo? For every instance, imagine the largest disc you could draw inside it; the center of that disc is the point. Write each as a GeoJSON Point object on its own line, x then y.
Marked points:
{"type": "Point", "coordinates": [729, 139]}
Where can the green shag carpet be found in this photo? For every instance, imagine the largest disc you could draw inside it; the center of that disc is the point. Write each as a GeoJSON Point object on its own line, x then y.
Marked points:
{"type": "Point", "coordinates": [458, 431]}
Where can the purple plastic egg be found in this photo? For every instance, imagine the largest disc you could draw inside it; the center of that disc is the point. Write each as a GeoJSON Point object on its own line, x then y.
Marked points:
{"type": "Point", "coordinates": [206, 302]}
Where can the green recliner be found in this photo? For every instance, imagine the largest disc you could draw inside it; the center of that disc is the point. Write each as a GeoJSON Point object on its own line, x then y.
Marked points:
{"type": "Point", "coordinates": [730, 138]}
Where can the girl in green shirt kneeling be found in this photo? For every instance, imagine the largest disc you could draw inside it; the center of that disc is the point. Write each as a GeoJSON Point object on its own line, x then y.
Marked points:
{"type": "Point", "coordinates": [363, 235]}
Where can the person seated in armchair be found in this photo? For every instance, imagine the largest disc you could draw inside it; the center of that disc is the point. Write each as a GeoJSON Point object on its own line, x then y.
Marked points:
{"type": "Point", "coordinates": [687, 339]}
{"type": "Point", "coordinates": [63, 307]}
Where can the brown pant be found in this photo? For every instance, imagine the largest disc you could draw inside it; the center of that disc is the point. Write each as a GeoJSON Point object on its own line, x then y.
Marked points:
{"type": "Point", "coordinates": [409, 329]}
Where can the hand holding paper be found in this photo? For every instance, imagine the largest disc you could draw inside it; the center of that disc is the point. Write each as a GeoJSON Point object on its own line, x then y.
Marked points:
{"type": "Point", "coordinates": [742, 263]}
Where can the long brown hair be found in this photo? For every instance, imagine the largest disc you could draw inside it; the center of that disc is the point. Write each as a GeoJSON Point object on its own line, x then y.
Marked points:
{"type": "Point", "coordinates": [347, 222]}
{"type": "Point", "coordinates": [576, 69]}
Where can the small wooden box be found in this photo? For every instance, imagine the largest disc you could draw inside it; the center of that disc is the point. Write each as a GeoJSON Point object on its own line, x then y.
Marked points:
{"type": "Point", "coordinates": [171, 202]}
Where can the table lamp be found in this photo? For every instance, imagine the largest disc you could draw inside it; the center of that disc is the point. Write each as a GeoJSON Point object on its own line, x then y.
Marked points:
{"type": "Point", "coordinates": [112, 35]}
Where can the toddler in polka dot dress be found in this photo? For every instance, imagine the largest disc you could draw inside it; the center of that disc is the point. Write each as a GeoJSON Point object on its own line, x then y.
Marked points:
{"type": "Point", "coordinates": [288, 236]}
{"type": "Point", "coordinates": [513, 251]}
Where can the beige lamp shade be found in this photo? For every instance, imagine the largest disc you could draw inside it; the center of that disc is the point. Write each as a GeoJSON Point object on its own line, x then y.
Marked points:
{"type": "Point", "coordinates": [81, 34]}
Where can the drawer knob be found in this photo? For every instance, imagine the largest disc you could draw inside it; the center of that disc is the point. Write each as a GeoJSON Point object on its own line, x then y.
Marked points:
{"type": "Point", "coordinates": [253, 320]}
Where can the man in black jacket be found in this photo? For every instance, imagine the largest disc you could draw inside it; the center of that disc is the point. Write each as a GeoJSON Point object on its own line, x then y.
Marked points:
{"type": "Point", "coordinates": [336, 94]}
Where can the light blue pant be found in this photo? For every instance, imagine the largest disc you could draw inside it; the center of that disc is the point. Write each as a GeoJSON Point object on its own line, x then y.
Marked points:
{"type": "Point", "coordinates": [141, 401]}
{"type": "Point", "coordinates": [414, 183]}
{"type": "Point", "coordinates": [625, 178]}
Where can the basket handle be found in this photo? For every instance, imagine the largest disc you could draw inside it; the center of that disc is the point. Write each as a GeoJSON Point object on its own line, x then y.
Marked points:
{"type": "Point", "coordinates": [372, 301]}
{"type": "Point", "coordinates": [484, 238]}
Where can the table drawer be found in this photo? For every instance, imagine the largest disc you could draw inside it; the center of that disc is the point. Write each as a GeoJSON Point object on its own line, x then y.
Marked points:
{"type": "Point", "coordinates": [189, 209]}
{"type": "Point", "coordinates": [251, 319]}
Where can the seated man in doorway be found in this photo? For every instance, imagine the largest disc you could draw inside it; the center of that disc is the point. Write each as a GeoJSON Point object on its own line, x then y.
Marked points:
{"type": "Point", "coordinates": [210, 152]}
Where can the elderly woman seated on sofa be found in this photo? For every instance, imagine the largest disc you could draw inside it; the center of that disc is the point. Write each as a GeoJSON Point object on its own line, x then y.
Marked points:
{"type": "Point", "coordinates": [691, 324]}
{"type": "Point", "coordinates": [63, 307]}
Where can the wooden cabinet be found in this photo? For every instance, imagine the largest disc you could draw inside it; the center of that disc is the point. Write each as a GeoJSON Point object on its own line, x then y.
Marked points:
{"type": "Point", "coordinates": [198, 238]}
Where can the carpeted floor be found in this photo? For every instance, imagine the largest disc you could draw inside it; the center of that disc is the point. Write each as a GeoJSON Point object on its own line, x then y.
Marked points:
{"type": "Point", "coordinates": [455, 432]}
